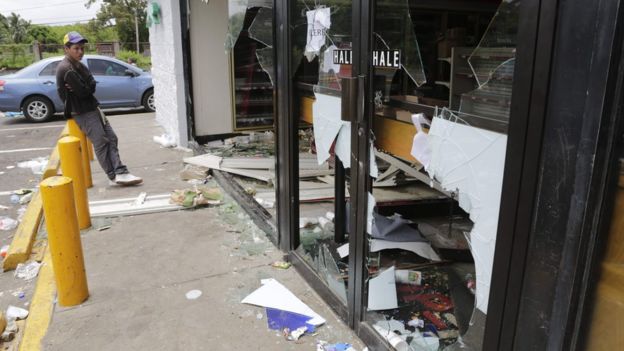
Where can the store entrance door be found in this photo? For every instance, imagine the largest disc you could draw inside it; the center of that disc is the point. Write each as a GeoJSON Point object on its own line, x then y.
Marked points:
{"type": "Point", "coordinates": [324, 97]}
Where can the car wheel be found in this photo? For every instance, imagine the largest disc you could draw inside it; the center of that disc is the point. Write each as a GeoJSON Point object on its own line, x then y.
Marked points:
{"type": "Point", "coordinates": [38, 109]}
{"type": "Point", "coordinates": [148, 101]}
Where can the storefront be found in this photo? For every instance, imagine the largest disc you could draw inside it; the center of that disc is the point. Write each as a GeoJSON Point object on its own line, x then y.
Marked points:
{"type": "Point", "coordinates": [471, 149]}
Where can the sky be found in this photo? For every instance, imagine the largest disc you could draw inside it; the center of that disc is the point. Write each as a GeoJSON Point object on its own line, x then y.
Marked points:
{"type": "Point", "coordinates": [50, 12]}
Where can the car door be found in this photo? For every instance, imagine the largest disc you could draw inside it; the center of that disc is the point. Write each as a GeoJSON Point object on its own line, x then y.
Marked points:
{"type": "Point", "coordinates": [114, 87]}
{"type": "Point", "coordinates": [46, 81]}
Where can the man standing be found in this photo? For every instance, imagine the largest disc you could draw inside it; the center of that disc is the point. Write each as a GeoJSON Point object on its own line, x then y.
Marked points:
{"type": "Point", "coordinates": [76, 86]}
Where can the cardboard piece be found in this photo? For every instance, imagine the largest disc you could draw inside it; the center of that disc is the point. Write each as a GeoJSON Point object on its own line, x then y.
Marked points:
{"type": "Point", "coordinates": [272, 294]}
{"type": "Point", "coordinates": [382, 291]}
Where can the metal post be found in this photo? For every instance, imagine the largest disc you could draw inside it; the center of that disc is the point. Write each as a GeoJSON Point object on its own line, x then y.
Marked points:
{"type": "Point", "coordinates": [339, 205]}
{"type": "Point", "coordinates": [64, 240]}
{"type": "Point", "coordinates": [136, 30]}
{"type": "Point", "coordinates": [74, 130]}
{"type": "Point", "coordinates": [71, 165]}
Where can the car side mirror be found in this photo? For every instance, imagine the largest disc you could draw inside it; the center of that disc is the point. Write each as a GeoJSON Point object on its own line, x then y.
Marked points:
{"type": "Point", "coordinates": [130, 73]}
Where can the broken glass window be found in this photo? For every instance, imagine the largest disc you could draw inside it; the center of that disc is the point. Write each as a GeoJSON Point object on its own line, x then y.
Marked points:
{"type": "Point", "coordinates": [491, 101]}
{"type": "Point", "coordinates": [236, 13]}
{"type": "Point", "coordinates": [265, 59]}
{"type": "Point", "coordinates": [261, 28]}
{"type": "Point", "coordinates": [394, 31]}
{"type": "Point", "coordinates": [334, 276]}
{"type": "Point", "coordinates": [498, 44]}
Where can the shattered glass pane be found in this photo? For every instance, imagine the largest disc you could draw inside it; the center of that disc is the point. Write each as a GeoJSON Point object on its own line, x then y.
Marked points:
{"type": "Point", "coordinates": [236, 12]}
{"type": "Point", "coordinates": [298, 32]}
{"type": "Point", "coordinates": [334, 278]}
{"type": "Point", "coordinates": [265, 59]}
{"type": "Point", "coordinates": [330, 73]}
{"type": "Point", "coordinates": [442, 304]}
{"type": "Point", "coordinates": [394, 31]}
{"type": "Point", "coordinates": [261, 28]}
{"type": "Point", "coordinates": [492, 100]}
{"type": "Point", "coordinates": [498, 44]}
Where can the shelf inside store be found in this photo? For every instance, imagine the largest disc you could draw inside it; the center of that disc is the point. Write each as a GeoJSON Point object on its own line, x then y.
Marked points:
{"type": "Point", "coordinates": [254, 86]}
{"type": "Point", "coordinates": [414, 107]}
{"type": "Point", "coordinates": [501, 100]}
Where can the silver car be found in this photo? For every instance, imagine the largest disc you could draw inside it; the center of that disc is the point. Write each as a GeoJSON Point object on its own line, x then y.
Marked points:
{"type": "Point", "coordinates": [32, 90]}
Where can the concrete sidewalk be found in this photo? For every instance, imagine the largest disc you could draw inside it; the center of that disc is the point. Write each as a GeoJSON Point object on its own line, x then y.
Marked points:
{"type": "Point", "coordinates": [140, 269]}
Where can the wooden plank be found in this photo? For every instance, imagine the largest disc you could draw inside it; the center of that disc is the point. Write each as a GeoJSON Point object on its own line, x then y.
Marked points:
{"type": "Point", "coordinates": [306, 161]}
{"type": "Point", "coordinates": [206, 160]}
{"type": "Point", "coordinates": [129, 207]}
{"type": "Point", "coordinates": [262, 175]}
{"type": "Point", "coordinates": [411, 171]}
{"type": "Point", "coordinates": [321, 194]}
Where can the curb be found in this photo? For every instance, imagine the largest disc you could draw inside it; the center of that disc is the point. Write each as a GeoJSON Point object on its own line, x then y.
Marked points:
{"type": "Point", "coordinates": [21, 246]}
{"type": "Point", "coordinates": [22, 243]}
{"type": "Point", "coordinates": [41, 307]}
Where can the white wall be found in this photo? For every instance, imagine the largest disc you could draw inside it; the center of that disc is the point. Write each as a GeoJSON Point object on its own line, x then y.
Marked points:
{"type": "Point", "coordinates": [211, 72]}
{"type": "Point", "coordinates": [167, 72]}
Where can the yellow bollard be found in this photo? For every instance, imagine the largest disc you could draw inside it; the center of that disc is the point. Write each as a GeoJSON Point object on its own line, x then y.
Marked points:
{"type": "Point", "coordinates": [74, 130]}
{"type": "Point", "coordinates": [90, 149]}
{"type": "Point", "coordinates": [3, 323]}
{"type": "Point", "coordinates": [64, 240]}
{"type": "Point", "coordinates": [71, 165]}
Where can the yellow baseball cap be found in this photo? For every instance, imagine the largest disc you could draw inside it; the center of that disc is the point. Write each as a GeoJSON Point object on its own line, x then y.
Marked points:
{"type": "Point", "coordinates": [74, 38]}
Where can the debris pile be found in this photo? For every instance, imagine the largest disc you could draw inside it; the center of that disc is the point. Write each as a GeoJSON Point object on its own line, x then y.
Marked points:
{"type": "Point", "coordinates": [36, 165]}
{"type": "Point", "coordinates": [284, 311]}
{"type": "Point", "coordinates": [197, 196]}
{"type": "Point", "coordinates": [13, 314]}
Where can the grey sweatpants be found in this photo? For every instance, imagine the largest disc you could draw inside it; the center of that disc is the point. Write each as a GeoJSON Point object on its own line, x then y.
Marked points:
{"type": "Point", "coordinates": [104, 142]}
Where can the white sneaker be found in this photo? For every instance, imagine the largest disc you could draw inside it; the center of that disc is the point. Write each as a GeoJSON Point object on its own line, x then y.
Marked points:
{"type": "Point", "coordinates": [111, 182]}
{"type": "Point", "coordinates": [127, 179]}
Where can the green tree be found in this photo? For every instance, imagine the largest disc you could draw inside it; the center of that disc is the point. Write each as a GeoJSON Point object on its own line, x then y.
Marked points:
{"type": "Point", "coordinates": [17, 28]}
{"type": "Point", "coordinates": [122, 14]}
{"type": "Point", "coordinates": [42, 34]}
{"type": "Point", "coordinates": [4, 32]}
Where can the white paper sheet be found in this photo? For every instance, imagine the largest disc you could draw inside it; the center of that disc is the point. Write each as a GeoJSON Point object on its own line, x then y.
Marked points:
{"type": "Point", "coordinates": [472, 161]}
{"type": "Point", "coordinates": [343, 144]}
{"type": "Point", "coordinates": [382, 291]}
{"type": "Point", "coordinates": [369, 213]}
{"type": "Point", "coordinates": [326, 112]}
{"type": "Point", "coordinates": [272, 294]}
{"type": "Point", "coordinates": [374, 171]}
{"type": "Point", "coordinates": [319, 20]}
{"type": "Point", "coordinates": [420, 146]}
{"type": "Point", "coordinates": [420, 248]}
{"type": "Point", "coordinates": [343, 250]}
